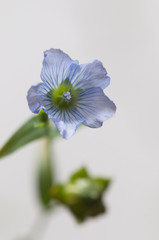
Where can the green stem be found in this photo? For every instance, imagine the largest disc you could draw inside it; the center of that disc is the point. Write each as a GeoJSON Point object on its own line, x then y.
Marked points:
{"type": "Point", "coordinates": [38, 228]}
{"type": "Point", "coordinates": [45, 174]}
{"type": "Point", "coordinates": [45, 181]}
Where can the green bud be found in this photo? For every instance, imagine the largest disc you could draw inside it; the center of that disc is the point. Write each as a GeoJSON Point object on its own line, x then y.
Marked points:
{"type": "Point", "coordinates": [43, 117]}
{"type": "Point", "coordinates": [82, 194]}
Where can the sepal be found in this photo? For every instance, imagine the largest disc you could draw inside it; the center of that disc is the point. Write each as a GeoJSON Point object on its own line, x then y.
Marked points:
{"type": "Point", "coordinates": [82, 194]}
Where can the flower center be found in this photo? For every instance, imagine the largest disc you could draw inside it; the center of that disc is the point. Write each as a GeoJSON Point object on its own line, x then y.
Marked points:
{"type": "Point", "coordinates": [65, 95]}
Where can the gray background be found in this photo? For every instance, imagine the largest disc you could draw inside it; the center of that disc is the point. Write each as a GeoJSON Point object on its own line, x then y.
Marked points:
{"type": "Point", "coordinates": [124, 35]}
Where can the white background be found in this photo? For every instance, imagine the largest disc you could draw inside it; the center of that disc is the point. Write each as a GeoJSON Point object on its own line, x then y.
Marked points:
{"type": "Point", "coordinates": [124, 35]}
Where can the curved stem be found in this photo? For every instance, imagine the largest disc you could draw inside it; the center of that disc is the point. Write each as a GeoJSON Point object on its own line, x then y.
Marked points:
{"type": "Point", "coordinates": [38, 228]}
{"type": "Point", "coordinates": [45, 181]}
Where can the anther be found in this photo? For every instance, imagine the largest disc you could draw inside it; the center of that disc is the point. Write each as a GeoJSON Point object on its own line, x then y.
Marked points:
{"type": "Point", "coordinates": [67, 96]}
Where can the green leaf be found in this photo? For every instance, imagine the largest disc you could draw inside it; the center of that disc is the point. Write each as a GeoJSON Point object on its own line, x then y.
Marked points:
{"type": "Point", "coordinates": [82, 194]}
{"type": "Point", "coordinates": [35, 128]}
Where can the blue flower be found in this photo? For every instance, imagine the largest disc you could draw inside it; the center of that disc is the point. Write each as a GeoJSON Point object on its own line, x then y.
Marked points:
{"type": "Point", "coordinates": [71, 93]}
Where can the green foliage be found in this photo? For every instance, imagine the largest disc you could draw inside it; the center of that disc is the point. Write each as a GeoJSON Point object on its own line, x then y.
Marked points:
{"type": "Point", "coordinates": [82, 194]}
{"type": "Point", "coordinates": [35, 128]}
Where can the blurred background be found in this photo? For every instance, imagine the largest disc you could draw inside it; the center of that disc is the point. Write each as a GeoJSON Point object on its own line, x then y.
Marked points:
{"type": "Point", "coordinates": [124, 35]}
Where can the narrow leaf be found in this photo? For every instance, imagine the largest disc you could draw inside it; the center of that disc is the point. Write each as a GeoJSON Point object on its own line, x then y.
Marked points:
{"type": "Point", "coordinates": [35, 128]}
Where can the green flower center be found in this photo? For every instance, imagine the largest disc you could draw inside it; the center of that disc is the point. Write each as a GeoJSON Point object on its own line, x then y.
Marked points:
{"type": "Point", "coordinates": [65, 96]}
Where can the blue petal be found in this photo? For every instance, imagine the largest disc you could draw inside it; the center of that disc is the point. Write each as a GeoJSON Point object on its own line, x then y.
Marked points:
{"type": "Point", "coordinates": [67, 130]}
{"type": "Point", "coordinates": [90, 75]}
{"type": "Point", "coordinates": [33, 98]}
{"type": "Point", "coordinates": [67, 121]}
{"type": "Point", "coordinates": [95, 106]}
{"type": "Point", "coordinates": [56, 67]}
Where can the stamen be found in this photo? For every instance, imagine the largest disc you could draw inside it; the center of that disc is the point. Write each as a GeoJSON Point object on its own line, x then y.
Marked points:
{"type": "Point", "coordinates": [67, 96]}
